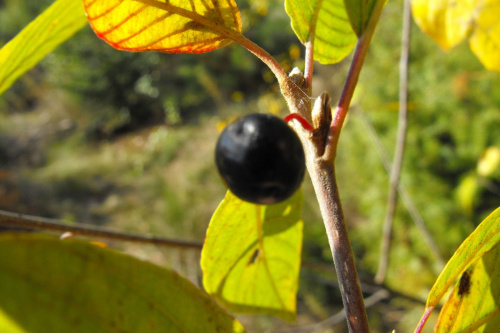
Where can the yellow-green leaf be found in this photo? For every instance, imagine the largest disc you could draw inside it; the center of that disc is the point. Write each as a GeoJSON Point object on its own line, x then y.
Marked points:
{"type": "Point", "coordinates": [56, 24]}
{"type": "Point", "coordinates": [325, 22]}
{"type": "Point", "coordinates": [177, 26]}
{"type": "Point", "coordinates": [483, 239]}
{"type": "Point", "coordinates": [474, 303]}
{"type": "Point", "coordinates": [52, 285]}
{"type": "Point", "coordinates": [251, 256]}
{"type": "Point", "coordinates": [449, 22]}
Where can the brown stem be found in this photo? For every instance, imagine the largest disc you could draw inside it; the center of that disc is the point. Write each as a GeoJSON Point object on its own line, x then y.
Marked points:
{"type": "Point", "coordinates": [15, 220]}
{"type": "Point", "coordinates": [392, 198]}
{"type": "Point", "coordinates": [323, 178]}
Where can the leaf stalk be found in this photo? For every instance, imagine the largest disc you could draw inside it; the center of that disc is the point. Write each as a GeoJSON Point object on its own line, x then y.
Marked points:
{"type": "Point", "coordinates": [352, 80]}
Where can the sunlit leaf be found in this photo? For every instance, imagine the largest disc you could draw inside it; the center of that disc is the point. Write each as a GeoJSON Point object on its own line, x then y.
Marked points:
{"type": "Point", "coordinates": [326, 23]}
{"type": "Point", "coordinates": [474, 302]}
{"type": "Point", "coordinates": [449, 22]}
{"type": "Point", "coordinates": [251, 256]}
{"type": "Point", "coordinates": [56, 24]}
{"type": "Point", "coordinates": [52, 285]}
{"type": "Point", "coordinates": [7, 325]}
{"type": "Point", "coordinates": [178, 26]}
{"type": "Point", "coordinates": [485, 238]}
{"type": "Point", "coordinates": [359, 12]}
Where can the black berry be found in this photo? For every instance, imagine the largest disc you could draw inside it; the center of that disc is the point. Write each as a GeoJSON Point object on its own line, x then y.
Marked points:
{"type": "Point", "coordinates": [260, 159]}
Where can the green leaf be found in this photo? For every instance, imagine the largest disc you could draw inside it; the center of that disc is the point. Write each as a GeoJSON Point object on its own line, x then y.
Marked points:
{"type": "Point", "coordinates": [359, 12]}
{"type": "Point", "coordinates": [473, 305]}
{"type": "Point", "coordinates": [52, 285]}
{"type": "Point", "coordinates": [251, 256]}
{"type": "Point", "coordinates": [325, 22]}
{"type": "Point", "coordinates": [56, 24]}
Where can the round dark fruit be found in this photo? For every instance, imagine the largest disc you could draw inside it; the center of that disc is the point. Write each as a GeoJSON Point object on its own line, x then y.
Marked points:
{"type": "Point", "coordinates": [261, 159]}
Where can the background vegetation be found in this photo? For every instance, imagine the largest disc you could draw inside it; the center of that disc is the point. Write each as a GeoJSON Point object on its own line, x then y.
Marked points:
{"type": "Point", "coordinates": [126, 140]}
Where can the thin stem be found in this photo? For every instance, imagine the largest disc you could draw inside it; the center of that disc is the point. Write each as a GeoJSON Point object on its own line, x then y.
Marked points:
{"type": "Point", "coordinates": [298, 100]}
{"type": "Point", "coordinates": [423, 320]}
{"type": "Point", "coordinates": [400, 145]}
{"type": "Point", "coordinates": [323, 178]}
{"type": "Point", "coordinates": [351, 81]}
{"type": "Point", "coordinates": [15, 220]}
{"type": "Point", "coordinates": [309, 65]}
{"type": "Point", "coordinates": [263, 55]}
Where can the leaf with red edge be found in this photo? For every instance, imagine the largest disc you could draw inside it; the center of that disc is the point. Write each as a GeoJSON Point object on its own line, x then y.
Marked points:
{"type": "Point", "coordinates": [174, 26]}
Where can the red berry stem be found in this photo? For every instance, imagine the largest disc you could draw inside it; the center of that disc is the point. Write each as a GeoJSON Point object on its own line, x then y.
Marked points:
{"type": "Point", "coordinates": [307, 126]}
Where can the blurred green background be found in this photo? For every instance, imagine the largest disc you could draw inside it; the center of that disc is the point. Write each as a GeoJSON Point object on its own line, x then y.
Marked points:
{"type": "Point", "coordinates": [125, 140]}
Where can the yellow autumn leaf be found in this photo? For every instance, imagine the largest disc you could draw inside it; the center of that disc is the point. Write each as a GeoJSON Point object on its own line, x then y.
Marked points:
{"type": "Point", "coordinates": [448, 22]}
{"type": "Point", "coordinates": [175, 26]}
{"type": "Point", "coordinates": [473, 305]}
{"type": "Point", "coordinates": [479, 248]}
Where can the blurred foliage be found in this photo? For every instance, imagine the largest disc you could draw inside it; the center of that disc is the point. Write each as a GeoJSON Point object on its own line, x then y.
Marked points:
{"type": "Point", "coordinates": [125, 139]}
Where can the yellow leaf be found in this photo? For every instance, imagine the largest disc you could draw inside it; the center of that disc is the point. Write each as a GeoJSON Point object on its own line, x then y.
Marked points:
{"type": "Point", "coordinates": [485, 40]}
{"type": "Point", "coordinates": [463, 266]}
{"type": "Point", "coordinates": [483, 239]}
{"type": "Point", "coordinates": [448, 22]}
{"type": "Point", "coordinates": [474, 302]}
{"type": "Point", "coordinates": [175, 26]}
{"type": "Point", "coordinates": [445, 21]}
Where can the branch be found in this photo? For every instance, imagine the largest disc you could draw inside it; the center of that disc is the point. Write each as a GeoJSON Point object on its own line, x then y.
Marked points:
{"type": "Point", "coordinates": [392, 198]}
{"type": "Point", "coordinates": [15, 220]}
{"type": "Point", "coordinates": [323, 178]}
